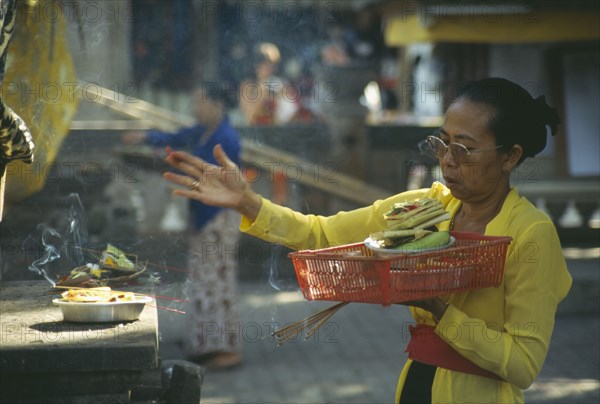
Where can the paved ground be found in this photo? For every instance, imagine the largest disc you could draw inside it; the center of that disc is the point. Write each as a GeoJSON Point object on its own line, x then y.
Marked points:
{"type": "Point", "coordinates": [357, 356]}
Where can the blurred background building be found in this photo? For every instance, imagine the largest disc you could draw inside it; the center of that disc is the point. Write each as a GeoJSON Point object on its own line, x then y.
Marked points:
{"type": "Point", "coordinates": [365, 81]}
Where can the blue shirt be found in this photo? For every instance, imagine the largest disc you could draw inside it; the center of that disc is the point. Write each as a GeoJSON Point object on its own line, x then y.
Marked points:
{"type": "Point", "coordinates": [189, 138]}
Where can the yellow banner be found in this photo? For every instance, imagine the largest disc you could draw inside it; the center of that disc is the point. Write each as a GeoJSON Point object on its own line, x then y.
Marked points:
{"type": "Point", "coordinates": [493, 25]}
{"type": "Point", "coordinates": [39, 85]}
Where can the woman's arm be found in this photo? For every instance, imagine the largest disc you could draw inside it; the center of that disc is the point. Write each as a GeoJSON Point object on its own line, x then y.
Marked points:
{"type": "Point", "coordinates": [225, 186]}
{"type": "Point", "coordinates": [281, 225]}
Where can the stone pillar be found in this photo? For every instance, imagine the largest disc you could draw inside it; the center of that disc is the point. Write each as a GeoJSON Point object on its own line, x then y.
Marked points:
{"type": "Point", "coordinates": [206, 43]}
{"type": "Point", "coordinates": [338, 92]}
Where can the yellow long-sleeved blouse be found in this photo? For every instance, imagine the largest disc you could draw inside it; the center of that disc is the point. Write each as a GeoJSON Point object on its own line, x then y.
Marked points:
{"type": "Point", "coordinates": [505, 330]}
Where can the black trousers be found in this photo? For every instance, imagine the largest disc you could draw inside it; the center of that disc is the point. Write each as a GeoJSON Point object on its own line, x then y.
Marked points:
{"type": "Point", "coordinates": [417, 386]}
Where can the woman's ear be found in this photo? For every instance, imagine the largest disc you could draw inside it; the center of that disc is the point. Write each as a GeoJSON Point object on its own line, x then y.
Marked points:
{"type": "Point", "coordinates": [512, 158]}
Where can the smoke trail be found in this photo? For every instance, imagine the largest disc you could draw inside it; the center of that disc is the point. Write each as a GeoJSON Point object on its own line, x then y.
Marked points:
{"type": "Point", "coordinates": [50, 237]}
{"type": "Point", "coordinates": [77, 230]}
{"type": "Point", "coordinates": [281, 280]}
{"type": "Point", "coordinates": [66, 242]}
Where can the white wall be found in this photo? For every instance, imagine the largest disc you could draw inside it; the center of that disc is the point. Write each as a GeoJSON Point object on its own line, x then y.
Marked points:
{"type": "Point", "coordinates": [523, 64]}
{"type": "Point", "coordinates": [582, 105]}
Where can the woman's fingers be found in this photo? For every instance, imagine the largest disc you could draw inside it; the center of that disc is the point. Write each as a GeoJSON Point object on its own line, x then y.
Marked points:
{"type": "Point", "coordinates": [190, 165]}
{"type": "Point", "coordinates": [210, 193]}
{"type": "Point", "coordinates": [192, 190]}
{"type": "Point", "coordinates": [184, 159]}
{"type": "Point", "coordinates": [186, 193]}
{"type": "Point", "coordinates": [188, 169]}
{"type": "Point", "coordinates": [200, 172]}
{"type": "Point", "coordinates": [179, 157]}
{"type": "Point", "coordinates": [184, 180]}
{"type": "Point", "coordinates": [222, 158]}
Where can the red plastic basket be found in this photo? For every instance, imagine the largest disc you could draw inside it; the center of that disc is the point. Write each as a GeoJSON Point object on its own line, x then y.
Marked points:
{"type": "Point", "coordinates": [351, 273]}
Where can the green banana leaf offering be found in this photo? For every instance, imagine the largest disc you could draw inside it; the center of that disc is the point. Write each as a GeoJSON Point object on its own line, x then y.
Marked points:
{"type": "Point", "coordinates": [411, 226]}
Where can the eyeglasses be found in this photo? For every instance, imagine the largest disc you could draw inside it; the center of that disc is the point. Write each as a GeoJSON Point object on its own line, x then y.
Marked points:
{"type": "Point", "coordinates": [437, 148]}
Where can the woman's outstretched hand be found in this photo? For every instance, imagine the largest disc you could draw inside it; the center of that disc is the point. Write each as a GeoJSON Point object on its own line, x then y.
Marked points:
{"type": "Point", "coordinates": [220, 185]}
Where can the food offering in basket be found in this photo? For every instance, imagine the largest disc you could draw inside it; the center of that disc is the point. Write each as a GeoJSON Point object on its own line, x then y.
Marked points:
{"type": "Point", "coordinates": [410, 260]}
{"type": "Point", "coordinates": [394, 242]}
{"type": "Point", "coordinates": [411, 229]}
{"type": "Point", "coordinates": [473, 261]}
{"type": "Point", "coordinates": [112, 267]}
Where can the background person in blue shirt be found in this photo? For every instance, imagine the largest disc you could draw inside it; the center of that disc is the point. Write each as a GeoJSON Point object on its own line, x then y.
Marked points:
{"type": "Point", "coordinates": [210, 332]}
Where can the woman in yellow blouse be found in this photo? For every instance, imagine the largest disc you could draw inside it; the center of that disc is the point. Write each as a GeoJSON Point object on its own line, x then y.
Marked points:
{"type": "Point", "coordinates": [501, 334]}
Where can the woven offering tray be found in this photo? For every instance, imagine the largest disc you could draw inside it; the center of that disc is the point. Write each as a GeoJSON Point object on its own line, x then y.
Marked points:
{"type": "Point", "coordinates": [111, 267]}
{"type": "Point", "coordinates": [354, 273]}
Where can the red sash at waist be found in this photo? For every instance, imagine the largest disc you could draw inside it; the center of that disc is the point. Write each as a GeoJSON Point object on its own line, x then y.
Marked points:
{"type": "Point", "coordinates": [427, 347]}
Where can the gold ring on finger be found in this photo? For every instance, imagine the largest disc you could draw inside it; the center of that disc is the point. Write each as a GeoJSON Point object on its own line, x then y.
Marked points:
{"type": "Point", "coordinates": [195, 185]}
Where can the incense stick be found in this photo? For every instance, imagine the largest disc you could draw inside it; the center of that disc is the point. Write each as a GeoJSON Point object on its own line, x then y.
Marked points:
{"type": "Point", "coordinates": [311, 323]}
{"type": "Point", "coordinates": [333, 310]}
{"type": "Point", "coordinates": [166, 308]}
{"type": "Point", "coordinates": [315, 321]}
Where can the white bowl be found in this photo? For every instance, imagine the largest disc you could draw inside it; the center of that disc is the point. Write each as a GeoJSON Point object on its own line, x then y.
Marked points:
{"type": "Point", "coordinates": [102, 312]}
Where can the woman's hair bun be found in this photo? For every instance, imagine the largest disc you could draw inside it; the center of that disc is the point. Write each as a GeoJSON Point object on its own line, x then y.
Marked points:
{"type": "Point", "coordinates": [547, 115]}
{"type": "Point", "coordinates": [518, 117]}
